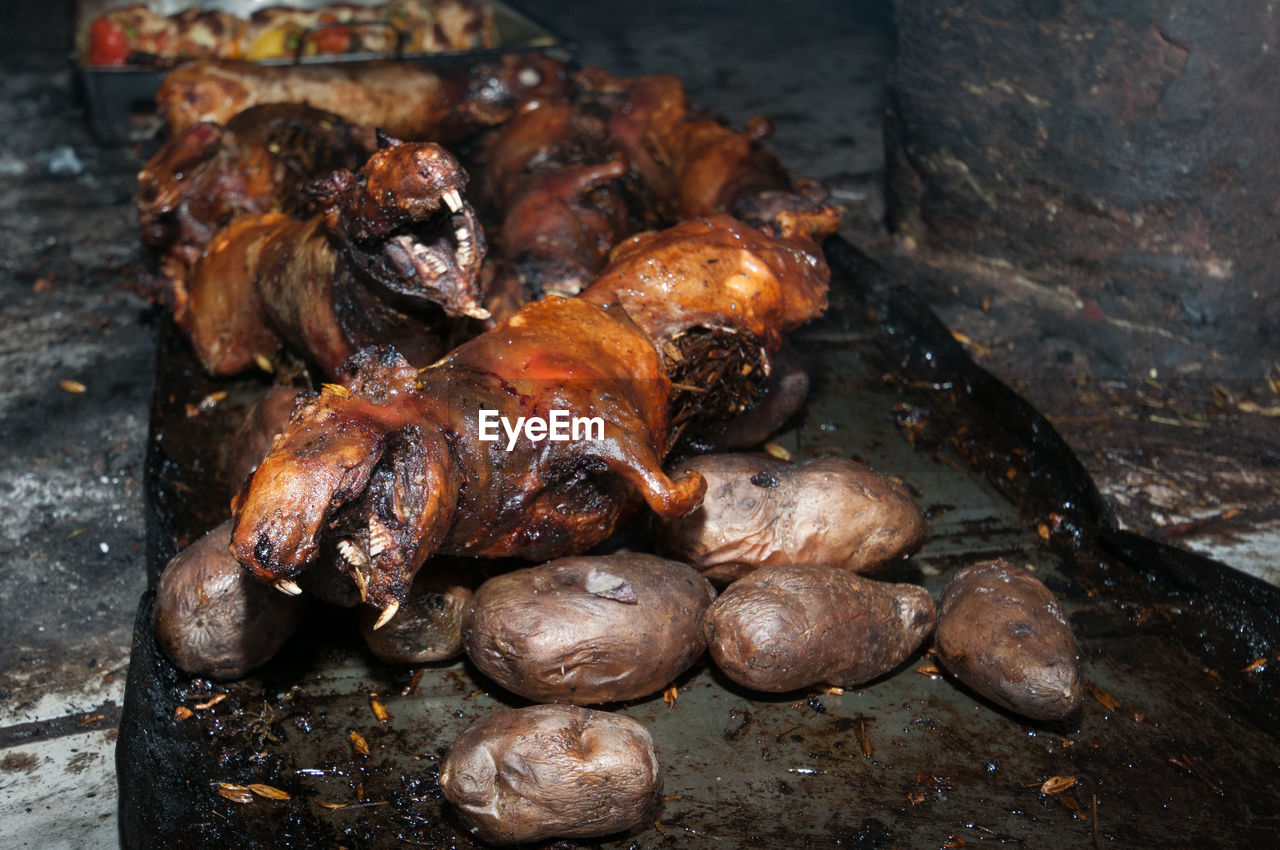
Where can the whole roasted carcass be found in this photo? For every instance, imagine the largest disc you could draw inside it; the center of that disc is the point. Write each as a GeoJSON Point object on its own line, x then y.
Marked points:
{"type": "Point", "coordinates": [267, 240]}
{"type": "Point", "coordinates": [408, 100]}
{"type": "Point", "coordinates": [265, 159]}
{"type": "Point", "coordinates": [395, 464]}
{"type": "Point", "coordinates": [573, 175]}
{"type": "Point", "coordinates": [393, 250]}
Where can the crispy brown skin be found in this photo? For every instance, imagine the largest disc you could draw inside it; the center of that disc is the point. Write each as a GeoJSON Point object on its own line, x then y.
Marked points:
{"type": "Point", "coordinates": [555, 180]}
{"type": "Point", "coordinates": [404, 448]}
{"type": "Point", "coordinates": [263, 160]}
{"type": "Point", "coordinates": [1004, 634]}
{"type": "Point", "coordinates": [400, 446]}
{"type": "Point", "coordinates": [377, 266]}
{"type": "Point", "coordinates": [695, 166]}
{"type": "Point", "coordinates": [588, 630]}
{"type": "Point", "coordinates": [212, 618]}
{"type": "Point", "coordinates": [759, 511]}
{"type": "Point", "coordinates": [717, 272]}
{"type": "Point", "coordinates": [574, 175]}
{"type": "Point", "coordinates": [407, 100]}
{"type": "Point", "coordinates": [783, 628]}
{"type": "Point", "coordinates": [523, 775]}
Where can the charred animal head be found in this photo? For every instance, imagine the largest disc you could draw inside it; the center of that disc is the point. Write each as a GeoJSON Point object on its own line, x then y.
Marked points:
{"type": "Point", "coordinates": [403, 222]}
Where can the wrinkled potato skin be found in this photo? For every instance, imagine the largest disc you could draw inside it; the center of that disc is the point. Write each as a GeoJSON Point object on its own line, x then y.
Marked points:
{"type": "Point", "coordinates": [1003, 633]}
{"type": "Point", "coordinates": [783, 628]}
{"type": "Point", "coordinates": [214, 619]}
{"type": "Point", "coordinates": [428, 626]}
{"type": "Point", "coordinates": [540, 633]}
{"type": "Point", "coordinates": [526, 774]}
{"type": "Point", "coordinates": [267, 417]}
{"type": "Point", "coordinates": [762, 512]}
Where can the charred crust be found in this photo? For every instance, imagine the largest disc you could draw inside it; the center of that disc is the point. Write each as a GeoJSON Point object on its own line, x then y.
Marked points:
{"type": "Point", "coordinates": [264, 550]}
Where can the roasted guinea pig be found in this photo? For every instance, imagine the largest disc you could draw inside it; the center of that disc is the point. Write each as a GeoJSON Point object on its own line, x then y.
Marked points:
{"type": "Point", "coordinates": [405, 99]}
{"type": "Point", "coordinates": [394, 462]}
{"type": "Point", "coordinates": [394, 251]}
{"type": "Point", "coordinates": [262, 160]}
{"type": "Point", "coordinates": [573, 175]}
{"type": "Point", "coordinates": [695, 165]}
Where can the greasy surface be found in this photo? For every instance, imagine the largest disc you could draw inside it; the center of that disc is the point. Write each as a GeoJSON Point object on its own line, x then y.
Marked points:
{"type": "Point", "coordinates": [391, 247]}
{"type": "Point", "coordinates": [760, 511]}
{"type": "Point", "coordinates": [588, 630]}
{"type": "Point", "coordinates": [783, 628]}
{"type": "Point", "coordinates": [394, 465]}
{"type": "Point", "coordinates": [1002, 632]}
{"type": "Point", "coordinates": [522, 775]}
{"type": "Point", "coordinates": [696, 166]}
{"type": "Point", "coordinates": [554, 180]}
{"type": "Point", "coordinates": [717, 272]}
{"type": "Point", "coordinates": [410, 102]}
{"type": "Point", "coordinates": [212, 618]}
{"type": "Point", "coordinates": [264, 159]}
{"type": "Point", "coordinates": [74, 462]}
{"type": "Point", "coordinates": [910, 760]}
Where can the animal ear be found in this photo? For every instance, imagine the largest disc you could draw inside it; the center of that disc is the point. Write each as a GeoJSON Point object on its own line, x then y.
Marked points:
{"type": "Point", "coordinates": [325, 190]}
{"type": "Point", "coordinates": [386, 140]}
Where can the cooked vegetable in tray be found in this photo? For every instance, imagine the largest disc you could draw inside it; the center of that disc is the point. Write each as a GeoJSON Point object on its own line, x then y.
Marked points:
{"type": "Point", "coordinates": [138, 35]}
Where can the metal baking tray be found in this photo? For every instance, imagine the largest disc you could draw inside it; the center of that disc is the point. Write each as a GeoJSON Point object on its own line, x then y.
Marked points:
{"type": "Point", "coordinates": [120, 101]}
{"type": "Point", "coordinates": [1177, 743]}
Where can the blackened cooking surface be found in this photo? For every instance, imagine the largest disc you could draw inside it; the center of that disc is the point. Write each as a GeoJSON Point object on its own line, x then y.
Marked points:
{"type": "Point", "coordinates": [1175, 743]}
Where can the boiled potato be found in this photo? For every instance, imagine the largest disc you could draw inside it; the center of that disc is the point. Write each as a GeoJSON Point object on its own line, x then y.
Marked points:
{"type": "Point", "coordinates": [783, 393]}
{"type": "Point", "coordinates": [546, 771]}
{"type": "Point", "coordinates": [763, 512]}
{"type": "Point", "coordinates": [782, 628]}
{"type": "Point", "coordinates": [428, 626]}
{"type": "Point", "coordinates": [589, 629]}
{"type": "Point", "coordinates": [212, 618]}
{"type": "Point", "coordinates": [1002, 633]}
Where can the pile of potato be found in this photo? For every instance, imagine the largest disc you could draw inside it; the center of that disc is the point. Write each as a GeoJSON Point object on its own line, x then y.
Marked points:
{"type": "Point", "coordinates": [788, 542]}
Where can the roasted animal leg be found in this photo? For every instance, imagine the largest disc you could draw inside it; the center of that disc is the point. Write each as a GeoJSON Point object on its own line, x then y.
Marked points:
{"type": "Point", "coordinates": [420, 437]}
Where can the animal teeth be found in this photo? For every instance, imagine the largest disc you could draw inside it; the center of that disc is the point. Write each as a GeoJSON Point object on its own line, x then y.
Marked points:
{"type": "Point", "coordinates": [380, 539]}
{"type": "Point", "coordinates": [362, 583]}
{"type": "Point", "coordinates": [453, 200]}
{"type": "Point", "coordinates": [387, 614]}
{"type": "Point", "coordinates": [464, 235]}
{"type": "Point", "coordinates": [288, 588]}
{"type": "Point", "coordinates": [436, 264]}
{"type": "Point", "coordinates": [398, 499]}
{"type": "Point", "coordinates": [352, 553]}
